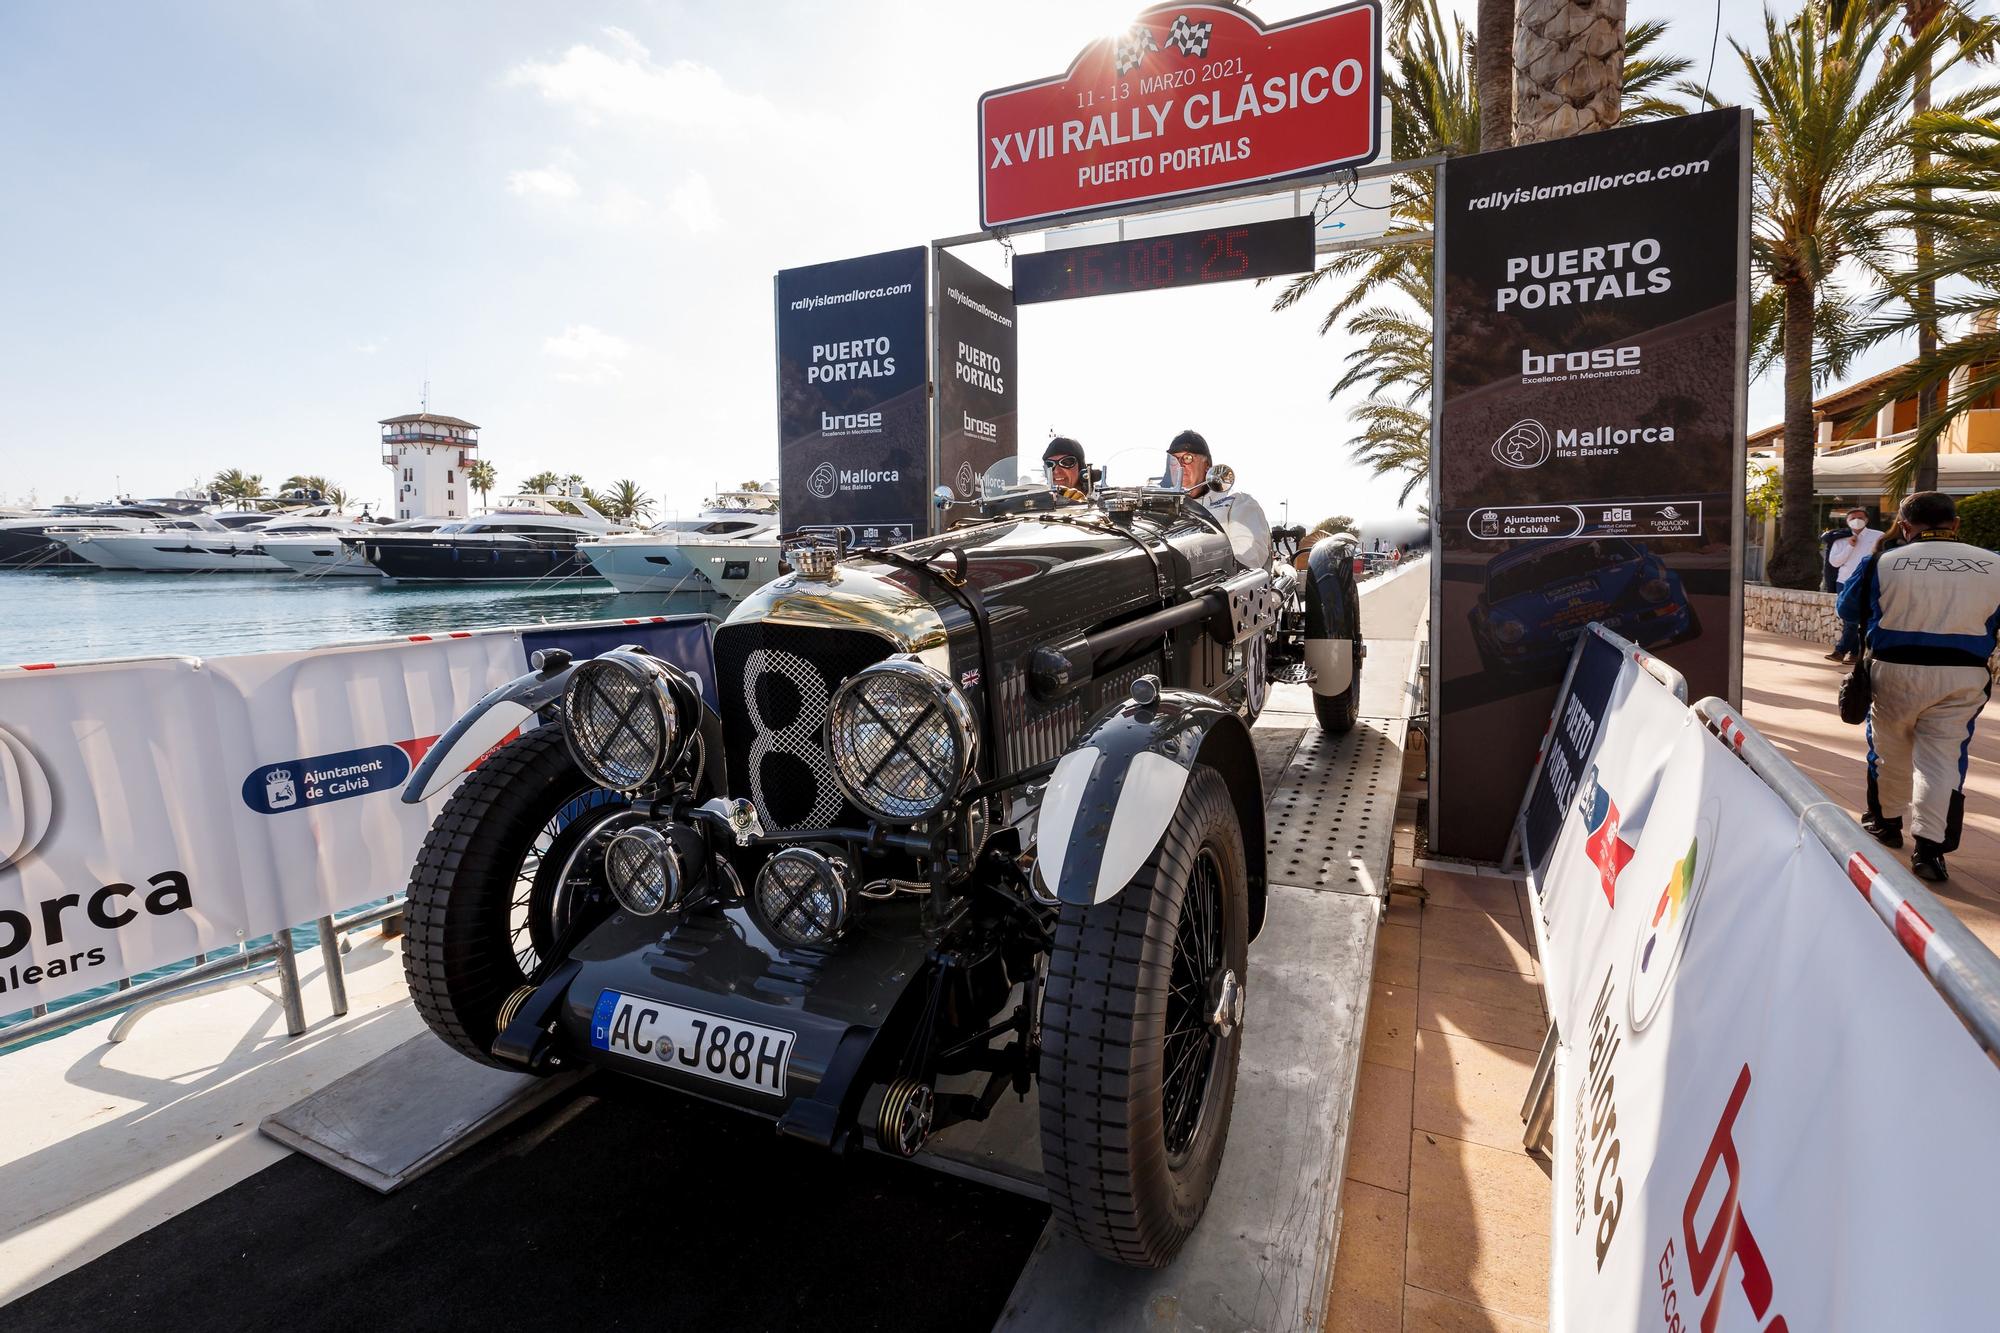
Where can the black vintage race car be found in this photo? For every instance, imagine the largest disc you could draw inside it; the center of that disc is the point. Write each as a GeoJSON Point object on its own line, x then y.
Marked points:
{"type": "Point", "coordinates": [980, 814]}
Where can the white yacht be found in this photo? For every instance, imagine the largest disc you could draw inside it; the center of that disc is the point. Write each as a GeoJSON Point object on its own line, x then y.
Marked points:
{"type": "Point", "coordinates": [324, 555]}
{"type": "Point", "coordinates": [730, 548]}
{"type": "Point", "coordinates": [218, 544]}
{"type": "Point", "coordinates": [29, 541]}
{"type": "Point", "coordinates": [528, 539]}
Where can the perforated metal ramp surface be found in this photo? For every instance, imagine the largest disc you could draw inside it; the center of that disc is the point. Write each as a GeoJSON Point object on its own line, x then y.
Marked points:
{"type": "Point", "coordinates": [1331, 820]}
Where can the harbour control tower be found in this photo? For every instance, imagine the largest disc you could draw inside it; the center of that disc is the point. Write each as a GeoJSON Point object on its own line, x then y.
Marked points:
{"type": "Point", "coordinates": [428, 454]}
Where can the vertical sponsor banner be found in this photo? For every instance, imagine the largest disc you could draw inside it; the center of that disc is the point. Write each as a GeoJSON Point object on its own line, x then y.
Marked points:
{"type": "Point", "coordinates": [1766, 1117]}
{"type": "Point", "coordinates": [1588, 409]}
{"type": "Point", "coordinates": [978, 422]}
{"type": "Point", "coordinates": [853, 413]}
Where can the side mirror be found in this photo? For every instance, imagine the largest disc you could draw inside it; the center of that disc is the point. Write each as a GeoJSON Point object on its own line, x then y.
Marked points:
{"type": "Point", "coordinates": [1221, 477]}
{"type": "Point", "coordinates": [942, 498]}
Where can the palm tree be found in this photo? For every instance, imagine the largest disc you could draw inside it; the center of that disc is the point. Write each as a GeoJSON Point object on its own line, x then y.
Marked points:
{"type": "Point", "coordinates": [238, 485]}
{"type": "Point", "coordinates": [481, 476]}
{"type": "Point", "coordinates": [299, 483]}
{"type": "Point", "coordinates": [541, 483]}
{"type": "Point", "coordinates": [1976, 38]}
{"type": "Point", "coordinates": [1955, 195]}
{"type": "Point", "coordinates": [1435, 109]}
{"type": "Point", "coordinates": [1494, 57]}
{"type": "Point", "coordinates": [574, 482]}
{"type": "Point", "coordinates": [751, 486]}
{"type": "Point", "coordinates": [1832, 104]}
{"type": "Point", "coordinates": [1332, 524]}
{"type": "Point", "coordinates": [625, 501]}
{"type": "Point", "coordinates": [336, 497]}
{"type": "Point", "coordinates": [1569, 56]}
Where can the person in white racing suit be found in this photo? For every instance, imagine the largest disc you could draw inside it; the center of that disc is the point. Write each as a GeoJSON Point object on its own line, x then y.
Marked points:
{"type": "Point", "coordinates": [1929, 609]}
{"type": "Point", "coordinates": [1189, 465]}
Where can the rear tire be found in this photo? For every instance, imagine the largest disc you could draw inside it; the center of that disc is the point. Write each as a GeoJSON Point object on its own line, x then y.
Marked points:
{"type": "Point", "coordinates": [1130, 1148]}
{"type": "Point", "coordinates": [488, 894]}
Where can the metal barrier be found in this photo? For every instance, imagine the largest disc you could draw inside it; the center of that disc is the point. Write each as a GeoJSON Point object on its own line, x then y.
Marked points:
{"type": "Point", "coordinates": [207, 976]}
{"type": "Point", "coordinates": [1963, 969]}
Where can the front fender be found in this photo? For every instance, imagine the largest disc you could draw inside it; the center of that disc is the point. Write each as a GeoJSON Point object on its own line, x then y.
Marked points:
{"type": "Point", "coordinates": [1111, 797]}
{"type": "Point", "coordinates": [502, 712]}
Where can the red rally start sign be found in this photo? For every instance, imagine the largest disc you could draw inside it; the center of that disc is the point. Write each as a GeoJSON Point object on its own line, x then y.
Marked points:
{"type": "Point", "coordinates": [1191, 98]}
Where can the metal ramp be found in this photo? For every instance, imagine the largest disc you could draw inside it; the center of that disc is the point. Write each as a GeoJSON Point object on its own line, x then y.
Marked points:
{"type": "Point", "coordinates": [411, 1109]}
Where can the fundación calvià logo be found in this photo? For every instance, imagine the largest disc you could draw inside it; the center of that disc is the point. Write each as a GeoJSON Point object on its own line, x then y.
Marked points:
{"type": "Point", "coordinates": [1524, 445]}
{"type": "Point", "coordinates": [27, 800]}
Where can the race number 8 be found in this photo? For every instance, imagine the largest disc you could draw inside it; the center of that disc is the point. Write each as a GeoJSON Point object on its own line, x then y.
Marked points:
{"type": "Point", "coordinates": [799, 737]}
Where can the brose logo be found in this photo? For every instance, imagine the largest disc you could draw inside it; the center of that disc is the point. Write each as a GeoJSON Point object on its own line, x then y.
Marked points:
{"type": "Point", "coordinates": [1597, 363]}
{"type": "Point", "coordinates": [1725, 1239]}
{"type": "Point", "coordinates": [849, 423]}
{"type": "Point", "coordinates": [984, 430]}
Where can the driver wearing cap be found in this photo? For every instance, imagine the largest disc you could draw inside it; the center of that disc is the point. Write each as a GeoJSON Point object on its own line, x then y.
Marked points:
{"type": "Point", "coordinates": [1188, 464]}
{"type": "Point", "coordinates": [1063, 461]}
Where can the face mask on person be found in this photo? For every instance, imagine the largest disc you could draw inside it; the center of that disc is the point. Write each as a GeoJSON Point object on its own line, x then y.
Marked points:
{"type": "Point", "coordinates": [1857, 524]}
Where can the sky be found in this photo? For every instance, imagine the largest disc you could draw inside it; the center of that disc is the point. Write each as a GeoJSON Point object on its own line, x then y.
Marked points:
{"type": "Point", "coordinates": [239, 234]}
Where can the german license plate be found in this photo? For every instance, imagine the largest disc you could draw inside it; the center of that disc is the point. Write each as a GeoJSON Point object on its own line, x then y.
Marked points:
{"type": "Point", "coordinates": [724, 1050]}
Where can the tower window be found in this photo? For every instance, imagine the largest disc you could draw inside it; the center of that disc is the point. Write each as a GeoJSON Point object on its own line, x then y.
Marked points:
{"type": "Point", "coordinates": [447, 474]}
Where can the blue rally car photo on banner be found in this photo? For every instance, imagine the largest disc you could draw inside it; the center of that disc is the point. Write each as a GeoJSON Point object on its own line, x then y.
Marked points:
{"type": "Point", "coordinates": [1537, 598]}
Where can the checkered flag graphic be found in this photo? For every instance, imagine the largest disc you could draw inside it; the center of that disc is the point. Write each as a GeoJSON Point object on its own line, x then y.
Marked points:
{"type": "Point", "coordinates": [1190, 39]}
{"type": "Point", "coordinates": [1132, 49]}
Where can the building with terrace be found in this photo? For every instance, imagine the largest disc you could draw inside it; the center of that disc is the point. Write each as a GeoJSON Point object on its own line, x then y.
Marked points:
{"type": "Point", "coordinates": [428, 453]}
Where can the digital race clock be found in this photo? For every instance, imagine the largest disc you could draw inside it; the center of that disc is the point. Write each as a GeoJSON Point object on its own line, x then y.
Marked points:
{"type": "Point", "coordinates": [1153, 263]}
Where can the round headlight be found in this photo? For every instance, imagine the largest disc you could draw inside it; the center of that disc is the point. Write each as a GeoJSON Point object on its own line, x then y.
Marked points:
{"type": "Point", "coordinates": [902, 740]}
{"type": "Point", "coordinates": [644, 869]}
{"type": "Point", "coordinates": [621, 719]}
{"type": "Point", "coordinates": [803, 895]}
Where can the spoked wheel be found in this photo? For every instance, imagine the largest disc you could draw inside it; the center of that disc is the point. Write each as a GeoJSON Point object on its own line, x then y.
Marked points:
{"type": "Point", "coordinates": [1141, 1034]}
{"type": "Point", "coordinates": [495, 883]}
{"type": "Point", "coordinates": [554, 872]}
{"type": "Point", "coordinates": [1199, 983]}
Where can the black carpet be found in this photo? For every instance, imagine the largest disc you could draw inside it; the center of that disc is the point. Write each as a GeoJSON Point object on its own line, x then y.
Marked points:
{"type": "Point", "coordinates": [624, 1207]}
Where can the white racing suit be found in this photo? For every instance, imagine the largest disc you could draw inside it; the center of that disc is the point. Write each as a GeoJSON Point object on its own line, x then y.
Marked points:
{"type": "Point", "coordinates": [1930, 609]}
{"type": "Point", "coordinates": [1250, 541]}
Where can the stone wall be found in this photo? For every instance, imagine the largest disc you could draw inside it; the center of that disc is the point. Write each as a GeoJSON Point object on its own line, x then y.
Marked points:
{"type": "Point", "coordinates": [1800, 614]}
{"type": "Point", "coordinates": [1795, 612]}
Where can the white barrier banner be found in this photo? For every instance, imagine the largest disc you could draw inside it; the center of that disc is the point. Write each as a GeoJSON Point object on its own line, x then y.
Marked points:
{"type": "Point", "coordinates": [1766, 1117]}
{"type": "Point", "coordinates": [153, 809]}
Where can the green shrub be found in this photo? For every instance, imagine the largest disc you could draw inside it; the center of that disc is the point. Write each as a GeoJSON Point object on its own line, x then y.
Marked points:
{"type": "Point", "coordinates": [1979, 519]}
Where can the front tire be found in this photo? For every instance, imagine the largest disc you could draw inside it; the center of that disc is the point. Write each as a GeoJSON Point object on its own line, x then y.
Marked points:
{"type": "Point", "coordinates": [494, 884]}
{"type": "Point", "coordinates": [1136, 1081]}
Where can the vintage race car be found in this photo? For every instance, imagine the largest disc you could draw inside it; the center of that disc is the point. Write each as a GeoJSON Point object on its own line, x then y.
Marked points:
{"type": "Point", "coordinates": [1539, 598]}
{"type": "Point", "coordinates": [979, 814]}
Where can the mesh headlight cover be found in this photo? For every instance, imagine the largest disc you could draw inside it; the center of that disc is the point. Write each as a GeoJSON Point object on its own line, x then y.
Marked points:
{"type": "Point", "coordinates": [621, 720]}
{"type": "Point", "coordinates": [803, 895]}
{"type": "Point", "coordinates": [644, 870]}
{"type": "Point", "coordinates": [902, 741]}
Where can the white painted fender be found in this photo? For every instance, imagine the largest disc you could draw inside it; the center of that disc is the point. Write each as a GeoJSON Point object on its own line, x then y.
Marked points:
{"type": "Point", "coordinates": [496, 724]}
{"type": "Point", "coordinates": [1094, 861]}
{"type": "Point", "coordinates": [1332, 664]}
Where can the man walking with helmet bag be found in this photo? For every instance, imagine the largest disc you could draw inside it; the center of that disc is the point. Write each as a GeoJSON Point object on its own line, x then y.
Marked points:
{"type": "Point", "coordinates": [1929, 609]}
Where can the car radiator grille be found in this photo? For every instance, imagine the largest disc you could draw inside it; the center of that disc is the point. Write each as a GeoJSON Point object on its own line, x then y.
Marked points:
{"type": "Point", "coordinates": [776, 682]}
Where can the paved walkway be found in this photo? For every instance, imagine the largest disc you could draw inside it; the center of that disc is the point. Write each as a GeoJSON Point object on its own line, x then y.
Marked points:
{"type": "Point", "coordinates": [1788, 695]}
{"type": "Point", "coordinates": [1445, 1219]}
